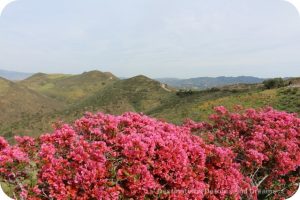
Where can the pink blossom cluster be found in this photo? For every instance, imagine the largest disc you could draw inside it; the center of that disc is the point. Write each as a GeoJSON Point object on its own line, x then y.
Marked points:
{"type": "Point", "coordinates": [133, 156]}
{"type": "Point", "coordinates": [266, 142]}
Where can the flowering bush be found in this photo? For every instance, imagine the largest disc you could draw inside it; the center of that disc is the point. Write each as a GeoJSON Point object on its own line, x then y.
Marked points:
{"type": "Point", "coordinates": [136, 157]}
{"type": "Point", "coordinates": [267, 145]}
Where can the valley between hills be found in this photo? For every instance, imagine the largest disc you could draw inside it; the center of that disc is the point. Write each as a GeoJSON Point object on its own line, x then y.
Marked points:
{"type": "Point", "coordinates": [32, 105]}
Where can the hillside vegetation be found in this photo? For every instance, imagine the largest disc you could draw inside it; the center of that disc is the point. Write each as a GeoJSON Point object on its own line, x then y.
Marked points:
{"type": "Point", "coordinates": [31, 106]}
{"type": "Point", "coordinates": [235, 156]}
{"type": "Point", "coordinates": [18, 102]}
{"type": "Point", "coordinates": [69, 88]}
{"type": "Point", "coordinates": [139, 94]}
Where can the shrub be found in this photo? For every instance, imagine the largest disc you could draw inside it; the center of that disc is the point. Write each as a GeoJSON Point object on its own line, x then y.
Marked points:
{"type": "Point", "coordinates": [133, 156]}
{"type": "Point", "coordinates": [214, 89]}
{"type": "Point", "coordinates": [267, 145]}
{"type": "Point", "coordinates": [274, 83]}
{"type": "Point", "coordinates": [184, 93]}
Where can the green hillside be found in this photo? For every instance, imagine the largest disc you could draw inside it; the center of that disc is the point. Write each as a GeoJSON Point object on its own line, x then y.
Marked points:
{"type": "Point", "coordinates": [18, 103]}
{"type": "Point", "coordinates": [137, 94]}
{"type": "Point", "coordinates": [69, 88]}
{"type": "Point", "coordinates": [102, 92]}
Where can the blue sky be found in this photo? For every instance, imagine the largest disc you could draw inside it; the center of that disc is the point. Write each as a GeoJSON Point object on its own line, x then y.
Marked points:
{"type": "Point", "coordinates": [157, 38]}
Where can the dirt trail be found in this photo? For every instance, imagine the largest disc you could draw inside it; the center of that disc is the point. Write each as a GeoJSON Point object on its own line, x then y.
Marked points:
{"type": "Point", "coordinates": [165, 87]}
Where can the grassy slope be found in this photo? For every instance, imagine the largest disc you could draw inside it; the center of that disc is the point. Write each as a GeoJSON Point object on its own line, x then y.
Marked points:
{"type": "Point", "coordinates": [32, 111]}
{"type": "Point", "coordinates": [176, 109]}
{"type": "Point", "coordinates": [18, 103]}
{"type": "Point", "coordinates": [69, 88]}
{"type": "Point", "coordinates": [256, 99]}
{"type": "Point", "coordinates": [137, 94]}
{"type": "Point", "coordinates": [288, 99]}
{"type": "Point", "coordinates": [141, 94]}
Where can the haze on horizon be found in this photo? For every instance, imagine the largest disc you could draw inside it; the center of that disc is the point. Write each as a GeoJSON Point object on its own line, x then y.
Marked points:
{"type": "Point", "coordinates": [171, 38]}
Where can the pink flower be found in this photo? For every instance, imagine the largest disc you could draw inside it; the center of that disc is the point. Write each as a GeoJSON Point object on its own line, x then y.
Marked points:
{"type": "Point", "coordinates": [221, 110]}
{"type": "Point", "coordinates": [133, 156]}
{"type": "Point", "coordinates": [3, 143]}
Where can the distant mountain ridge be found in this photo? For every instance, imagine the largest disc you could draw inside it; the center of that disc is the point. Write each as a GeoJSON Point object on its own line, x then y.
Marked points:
{"type": "Point", "coordinates": [209, 82]}
{"type": "Point", "coordinates": [13, 75]}
{"type": "Point", "coordinates": [191, 83]}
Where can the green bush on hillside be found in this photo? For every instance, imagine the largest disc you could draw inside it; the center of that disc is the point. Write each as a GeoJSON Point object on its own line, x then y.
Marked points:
{"type": "Point", "coordinates": [274, 83]}
{"type": "Point", "coordinates": [183, 93]}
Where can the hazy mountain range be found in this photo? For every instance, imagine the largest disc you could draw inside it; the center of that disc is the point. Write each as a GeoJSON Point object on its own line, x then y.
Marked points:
{"type": "Point", "coordinates": [209, 82]}
{"type": "Point", "coordinates": [12, 75]}
{"type": "Point", "coordinates": [192, 83]}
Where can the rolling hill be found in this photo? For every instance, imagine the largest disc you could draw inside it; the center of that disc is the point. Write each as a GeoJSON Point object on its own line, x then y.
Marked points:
{"type": "Point", "coordinates": [69, 88]}
{"type": "Point", "coordinates": [18, 103]}
{"type": "Point", "coordinates": [34, 104]}
{"type": "Point", "coordinates": [137, 94]}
